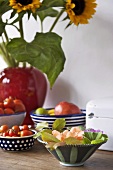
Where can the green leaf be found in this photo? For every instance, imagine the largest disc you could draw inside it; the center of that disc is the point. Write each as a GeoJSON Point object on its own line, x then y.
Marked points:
{"type": "Point", "coordinates": [53, 3]}
{"type": "Point", "coordinates": [94, 137]}
{"type": "Point", "coordinates": [37, 135]}
{"type": "Point", "coordinates": [47, 12]}
{"type": "Point", "coordinates": [4, 7]}
{"type": "Point", "coordinates": [72, 141]}
{"type": "Point", "coordinates": [44, 53]}
{"type": "Point", "coordinates": [86, 140]}
{"type": "Point", "coordinates": [47, 137]}
{"type": "Point", "coordinates": [41, 125]}
{"type": "Point", "coordinates": [59, 124]}
{"type": "Point", "coordinates": [97, 141]}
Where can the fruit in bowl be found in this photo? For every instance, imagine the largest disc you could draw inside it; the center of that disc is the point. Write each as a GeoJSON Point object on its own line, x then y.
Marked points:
{"type": "Point", "coordinates": [16, 138]}
{"type": "Point", "coordinates": [73, 146]}
{"type": "Point", "coordinates": [65, 108]}
{"type": "Point", "coordinates": [12, 111]}
{"type": "Point", "coordinates": [62, 108]}
{"type": "Point", "coordinates": [71, 112]}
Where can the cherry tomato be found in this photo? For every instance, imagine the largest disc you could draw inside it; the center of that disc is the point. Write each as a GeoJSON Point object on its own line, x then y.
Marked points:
{"type": "Point", "coordinates": [19, 106]}
{"type": "Point", "coordinates": [25, 133]}
{"type": "Point", "coordinates": [5, 134]}
{"type": "Point", "coordinates": [8, 111]}
{"type": "Point", "coordinates": [8, 103]}
{"type": "Point", "coordinates": [16, 128]}
{"type": "Point", "coordinates": [25, 127]}
{"type": "Point", "coordinates": [12, 132]}
{"type": "Point", "coordinates": [3, 128]}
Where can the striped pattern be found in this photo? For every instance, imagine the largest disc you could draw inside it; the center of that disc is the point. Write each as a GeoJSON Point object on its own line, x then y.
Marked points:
{"type": "Point", "coordinates": [71, 120]}
{"type": "Point", "coordinates": [74, 155]}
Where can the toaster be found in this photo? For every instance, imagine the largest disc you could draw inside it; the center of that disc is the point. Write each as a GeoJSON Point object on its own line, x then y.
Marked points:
{"type": "Point", "coordinates": [99, 115]}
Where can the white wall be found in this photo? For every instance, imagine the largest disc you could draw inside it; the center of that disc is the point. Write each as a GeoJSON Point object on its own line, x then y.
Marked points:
{"type": "Point", "coordinates": [88, 71]}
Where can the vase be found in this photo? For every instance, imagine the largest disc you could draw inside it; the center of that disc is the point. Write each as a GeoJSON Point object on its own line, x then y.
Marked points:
{"type": "Point", "coordinates": [25, 83]}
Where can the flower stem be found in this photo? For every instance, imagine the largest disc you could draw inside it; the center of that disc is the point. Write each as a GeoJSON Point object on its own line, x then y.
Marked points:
{"type": "Point", "coordinates": [6, 56]}
{"type": "Point", "coordinates": [21, 29]}
{"type": "Point", "coordinates": [56, 20]}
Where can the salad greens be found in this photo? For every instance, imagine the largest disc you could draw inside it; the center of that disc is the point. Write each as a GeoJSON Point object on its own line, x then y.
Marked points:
{"type": "Point", "coordinates": [58, 135]}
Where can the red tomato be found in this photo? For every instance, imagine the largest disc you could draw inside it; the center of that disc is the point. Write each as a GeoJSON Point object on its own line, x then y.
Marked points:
{"type": "Point", "coordinates": [5, 134]}
{"type": "Point", "coordinates": [8, 103]}
{"type": "Point", "coordinates": [3, 128]}
{"type": "Point", "coordinates": [1, 111]}
{"type": "Point", "coordinates": [19, 106]}
{"type": "Point", "coordinates": [16, 129]}
{"type": "Point", "coordinates": [26, 133]}
{"type": "Point", "coordinates": [12, 132]}
{"type": "Point", "coordinates": [8, 111]}
{"type": "Point", "coordinates": [25, 127]}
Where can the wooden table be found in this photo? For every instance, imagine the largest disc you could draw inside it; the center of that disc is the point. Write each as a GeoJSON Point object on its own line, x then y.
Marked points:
{"type": "Point", "coordinates": [38, 158]}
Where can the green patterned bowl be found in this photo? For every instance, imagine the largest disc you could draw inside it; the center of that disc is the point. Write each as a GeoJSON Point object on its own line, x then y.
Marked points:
{"type": "Point", "coordinates": [74, 155]}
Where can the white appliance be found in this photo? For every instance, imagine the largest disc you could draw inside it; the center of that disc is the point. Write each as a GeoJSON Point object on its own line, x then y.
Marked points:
{"type": "Point", "coordinates": [99, 115]}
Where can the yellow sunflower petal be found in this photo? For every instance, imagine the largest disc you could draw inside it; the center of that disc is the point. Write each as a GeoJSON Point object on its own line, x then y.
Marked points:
{"type": "Point", "coordinates": [23, 6]}
{"type": "Point", "coordinates": [79, 12]}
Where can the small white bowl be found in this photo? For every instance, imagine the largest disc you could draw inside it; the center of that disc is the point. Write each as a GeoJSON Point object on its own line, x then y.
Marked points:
{"type": "Point", "coordinates": [12, 119]}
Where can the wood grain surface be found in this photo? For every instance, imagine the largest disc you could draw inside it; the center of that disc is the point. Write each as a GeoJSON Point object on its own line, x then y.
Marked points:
{"type": "Point", "coordinates": [38, 158]}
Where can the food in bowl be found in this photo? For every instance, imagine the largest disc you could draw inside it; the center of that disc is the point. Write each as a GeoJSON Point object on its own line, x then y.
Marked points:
{"type": "Point", "coordinates": [71, 147]}
{"type": "Point", "coordinates": [62, 108]}
{"type": "Point", "coordinates": [65, 108]}
{"type": "Point", "coordinates": [10, 106]}
{"type": "Point", "coordinates": [12, 111]}
{"type": "Point", "coordinates": [17, 138]}
{"type": "Point", "coordinates": [48, 115]}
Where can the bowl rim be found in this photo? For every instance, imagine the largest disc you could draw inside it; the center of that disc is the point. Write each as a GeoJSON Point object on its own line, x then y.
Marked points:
{"type": "Point", "coordinates": [39, 139]}
{"type": "Point", "coordinates": [12, 114]}
{"type": "Point", "coordinates": [59, 116]}
{"type": "Point", "coordinates": [23, 137]}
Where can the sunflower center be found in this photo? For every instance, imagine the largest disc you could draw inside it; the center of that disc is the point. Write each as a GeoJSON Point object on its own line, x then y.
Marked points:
{"type": "Point", "coordinates": [79, 6]}
{"type": "Point", "coordinates": [24, 2]}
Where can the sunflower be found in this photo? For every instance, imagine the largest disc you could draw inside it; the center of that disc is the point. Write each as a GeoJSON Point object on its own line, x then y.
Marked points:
{"type": "Point", "coordinates": [23, 5]}
{"type": "Point", "coordinates": [80, 11]}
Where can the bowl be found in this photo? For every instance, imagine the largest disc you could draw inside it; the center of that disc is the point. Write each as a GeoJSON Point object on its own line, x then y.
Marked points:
{"type": "Point", "coordinates": [12, 119]}
{"type": "Point", "coordinates": [71, 119]}
{"type": "Point", "coordinates": [74, 155]}
{"type": "Point", "coordinates": [17, 143]}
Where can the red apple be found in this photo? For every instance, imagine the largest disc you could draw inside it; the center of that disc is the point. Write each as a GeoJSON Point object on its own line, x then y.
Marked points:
{"type": "Point", "coordinates": [65, 108]}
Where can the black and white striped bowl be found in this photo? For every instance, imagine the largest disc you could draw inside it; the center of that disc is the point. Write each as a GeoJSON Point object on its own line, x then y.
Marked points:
{"type": "Point", "coordinates": [74, 155]}
{"type": "Point", "coordinates": [71, 119]}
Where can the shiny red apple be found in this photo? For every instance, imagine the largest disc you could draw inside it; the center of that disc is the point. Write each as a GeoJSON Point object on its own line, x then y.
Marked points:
{"type": "Point", "coordinates": [66, 108]}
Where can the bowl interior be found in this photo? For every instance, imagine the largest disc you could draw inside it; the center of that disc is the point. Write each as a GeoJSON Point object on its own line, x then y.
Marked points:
{"type": "Point", "coordinates": [12, 119]}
